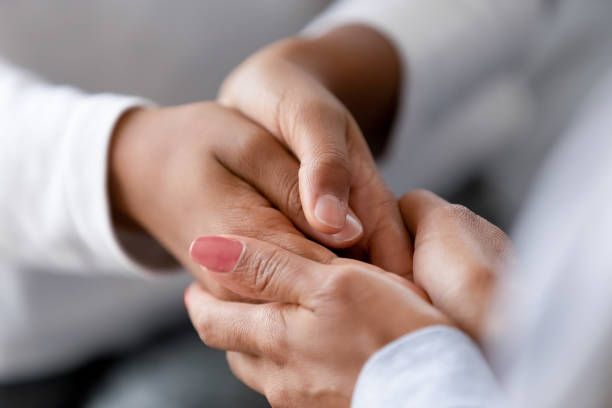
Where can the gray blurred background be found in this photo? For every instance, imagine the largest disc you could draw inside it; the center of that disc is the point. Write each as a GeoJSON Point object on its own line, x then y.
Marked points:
{"type": "Point", "coordinates": [179, 52]}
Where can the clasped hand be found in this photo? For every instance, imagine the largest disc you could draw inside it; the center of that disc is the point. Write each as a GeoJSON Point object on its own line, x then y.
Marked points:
{"type": "Point", "coordinates": [270, 178]}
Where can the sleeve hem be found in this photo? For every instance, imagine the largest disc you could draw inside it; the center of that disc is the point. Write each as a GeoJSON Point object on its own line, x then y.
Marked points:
{"type": "Point", "coordinates": [436, 366]}
{"type": "Point", "coordinates": [89, 132]}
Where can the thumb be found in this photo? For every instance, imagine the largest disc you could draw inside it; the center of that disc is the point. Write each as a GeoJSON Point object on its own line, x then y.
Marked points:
{"type": "Point", "coordinates": [257, 269]}
{"type": "Point", "coordinates": [313, 124]}
{"type": "Point", "coordinates": [318, 138]}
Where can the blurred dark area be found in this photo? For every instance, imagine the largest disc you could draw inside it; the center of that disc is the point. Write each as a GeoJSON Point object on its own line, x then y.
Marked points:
{"type": "Point", "coordinates": [165, 371]}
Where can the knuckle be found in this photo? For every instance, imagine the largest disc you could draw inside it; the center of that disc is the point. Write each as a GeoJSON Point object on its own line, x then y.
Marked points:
{"type": "Point", "coordinates": [326, 110]}
{"type": "Point", "coordinates": [416, 193]}
{"type": "Point", "coordinates": [459, 211]}
{"type": "Point", "coordinates": [341, 283]}
{"type": "Point", "coordinates": [248, 143]}
{"type": "Point", "coordinates": [332, 159]}
{"type": "Point", "coordinates": [205, 329]}
{"type": "Point", "coordinates": [273, 342]}
{"type": "Point", "coordinates": [453, 213]}
{"type": "Point", "coordinates": [263, 266]}
{"type": "Point", "coordinates": [481, 278]}
{"type": "Point", "coordinates": [293, 203]}
{"type": "Point", "coordinates": [300, 114]}
{"type": "Point", "coordinates": [219, 291]}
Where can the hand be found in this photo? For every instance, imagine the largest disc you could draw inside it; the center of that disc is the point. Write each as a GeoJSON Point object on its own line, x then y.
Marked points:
{"type": "Point", "coordinates": [305, 92]}
{"type": "Point", "coordinates": [307, 347]}
{"type": "Point", "coordinates": [457, 257]}
{"type": "Point", "coordinates": [204, 169]}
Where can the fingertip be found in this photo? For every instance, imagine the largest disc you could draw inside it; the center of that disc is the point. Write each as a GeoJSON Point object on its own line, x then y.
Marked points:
{"type": "Point", "coordinates": [352, 231]}
{"type": "Point", "coordinates": [350, 234]}
{"type": "Point", "coordinates": [186, 296]}
{"type": "Point", "coordinates": [216, 253]}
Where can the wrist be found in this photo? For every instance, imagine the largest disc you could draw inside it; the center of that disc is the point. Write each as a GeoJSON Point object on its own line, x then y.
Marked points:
{"type": "Point", "coordinates": [122, 163]}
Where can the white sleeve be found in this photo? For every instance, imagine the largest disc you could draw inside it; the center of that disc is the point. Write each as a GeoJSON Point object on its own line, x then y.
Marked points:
{"type": "Point", "coordinates": [437, 367]}
{"type": "Point", "coordinates": [448, 47]}
{"type": "Point", "coordinates": [54, 208]}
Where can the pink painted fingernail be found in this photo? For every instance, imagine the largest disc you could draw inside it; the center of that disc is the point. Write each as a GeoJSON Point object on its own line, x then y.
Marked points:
{"type": "Point", "coordinates": [216, 253]}
{"type": "Point", "coordinates": [330, 211]}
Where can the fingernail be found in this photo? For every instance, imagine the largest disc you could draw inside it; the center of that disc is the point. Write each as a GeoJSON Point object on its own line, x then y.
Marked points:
{"type": "Point", "coordinates": [352, 229]}
{"type": "Point", "coordinates": [330, 211]}
{"type": "Point", "coordinates": [216, 253]}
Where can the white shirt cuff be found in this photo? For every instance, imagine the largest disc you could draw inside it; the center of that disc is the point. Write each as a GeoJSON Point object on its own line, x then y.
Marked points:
{"type": "Point", "coordinates": [438, 366]}
{"type": "Point", "coordinates": [88, 136]}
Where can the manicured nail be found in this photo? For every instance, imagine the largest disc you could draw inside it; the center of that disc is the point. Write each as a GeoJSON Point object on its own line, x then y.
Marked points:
{"type": "Point", "coordinates": [216, 253]}
{"type": "Point", "coordinates": [352, 229]}
{"type": "Point", "coordinates": [330, 211]}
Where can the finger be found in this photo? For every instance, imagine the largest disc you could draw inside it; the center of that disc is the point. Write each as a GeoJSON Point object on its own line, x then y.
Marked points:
{"type": "Point", "coordinates": [249, 214]}
{"type": "Point", "coordinates": [248, 369]}
{"type": "Point", "coordinates": [313, 124]}
{"type": "Point", "coordinates": [258, 269]}
{"type": "Point", "coordinates": [409, 285]}
{"type": "Point", "coordinates": [254, 329]}
{"type": "Point", "coordinates": [231, 206]}
{"type": "Point", "coordinates": [318, 138]}
{"type": "Point", "coordinates": [288, 240]}
{"type": "Point", "coordinates": [389, 244]}
{"type": "Point", "coordinates": [386, 240]}
{"type": "Point", "coordinates": [273, 171]}
{"type": "Point", "coordinates": [418, 204]}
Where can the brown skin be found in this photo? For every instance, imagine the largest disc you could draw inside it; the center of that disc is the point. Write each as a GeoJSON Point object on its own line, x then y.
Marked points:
{"type": "Point", "coordinates": [355, 64]}
{"type": "Point", "coordinates": [457, 257]}
{"type": "Point", "coordinates": [311, 94]}
{"type": "Point", "coordinates": [202, 169]}
{"type": "Point", "coordinates": [308, 348]}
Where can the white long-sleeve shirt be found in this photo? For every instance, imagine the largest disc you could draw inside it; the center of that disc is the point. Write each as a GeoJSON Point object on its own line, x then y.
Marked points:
{"type": "Point", "coordinates": [553, 327]}
{"type": "Point", "coordinates": [68, 290]}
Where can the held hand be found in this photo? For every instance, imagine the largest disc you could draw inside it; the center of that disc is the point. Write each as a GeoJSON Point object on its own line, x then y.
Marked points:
{"type": "Point", "coordinates": [204, 169]}
{"type": "Point", "coordinates": [457, 257]}
{"type": "Point", "coordinates": [307, 346]}
{"type": "Point", "coordinates": [299, 90]}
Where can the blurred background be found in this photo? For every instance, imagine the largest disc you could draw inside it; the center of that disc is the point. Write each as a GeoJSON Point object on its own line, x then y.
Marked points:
{"type": "Point", "coordinates": [484, 155]}
{"type": "Point", "coordinates": [181, 52]}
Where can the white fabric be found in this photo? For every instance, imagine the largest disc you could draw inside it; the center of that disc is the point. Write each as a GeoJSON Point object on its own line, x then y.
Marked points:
{"type": "Point", "coordinates": [54, 146]}
{"type": "Point", "coordinates": [434, 367]}
{"type": "Point", "coordinates": [552, 325]}
{"type": "Point", "coordinates": [67, 289]}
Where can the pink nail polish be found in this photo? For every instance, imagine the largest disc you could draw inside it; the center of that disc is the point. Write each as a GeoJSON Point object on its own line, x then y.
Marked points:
{"type": "Point", "coordinates": [216, 253]}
